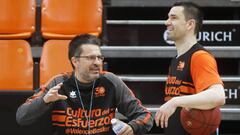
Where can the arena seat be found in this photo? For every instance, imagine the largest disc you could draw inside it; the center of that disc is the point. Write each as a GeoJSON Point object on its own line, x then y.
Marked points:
{"type": "Point", "coordinates": [63, 19]}
{"type": "Point", "coordinates": [54, 59]}
{"type": "Point", "coordinates": [16, 70]}
{"type": "Point", "coordinates": [17, 18]}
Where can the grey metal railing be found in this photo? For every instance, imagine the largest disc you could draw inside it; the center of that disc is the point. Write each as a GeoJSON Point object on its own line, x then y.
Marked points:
{"type": "Point", "coordinates": [228, 112]}
{"type": "Point", "coordinates": [161, 22]}
{"type": "Point", "coordinates": [163, 51]}
{"type": "Point", "coordinates": [153, 51]}
{"type": "Point", "coordinates": [155, 78]}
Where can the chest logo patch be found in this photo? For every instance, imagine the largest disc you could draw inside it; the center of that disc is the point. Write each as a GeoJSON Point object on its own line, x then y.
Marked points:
{"type": "Point", "coordinates": [181, 65]}
{"type": "Point", "coordinates": [100, 91]}
{"type": "Point", "coordinates": [72, 94]}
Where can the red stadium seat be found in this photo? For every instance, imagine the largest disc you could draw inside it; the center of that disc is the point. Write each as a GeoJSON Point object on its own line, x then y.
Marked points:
{"type": "Point", "coordinates": [17, 18]}
{"type": "Point", "coordinates": [54, 59]}
{"type": "Point", "coordinates": [63, 19]}
{"type": "Point", "coordinates": [16, 70]}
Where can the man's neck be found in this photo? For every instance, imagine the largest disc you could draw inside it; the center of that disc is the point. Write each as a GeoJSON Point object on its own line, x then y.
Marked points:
{"type": "Point", "coordinates": [80, 79]}
{"type": "Point", "coordinates": [184, 45]}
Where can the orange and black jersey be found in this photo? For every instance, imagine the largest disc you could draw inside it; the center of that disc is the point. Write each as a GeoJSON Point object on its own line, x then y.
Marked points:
{"type": "Point", "coordinates": [69, 117]}
{"type": "Point", "coordinates": [190, 73]}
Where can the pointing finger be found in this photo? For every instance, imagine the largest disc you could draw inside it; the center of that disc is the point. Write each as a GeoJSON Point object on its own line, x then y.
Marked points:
{"type": "Point", "coordinates": [62, 97]}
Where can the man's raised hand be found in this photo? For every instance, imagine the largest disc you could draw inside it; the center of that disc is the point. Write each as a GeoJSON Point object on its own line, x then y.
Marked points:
{"type": "Point", "coordinates": [53, 95]}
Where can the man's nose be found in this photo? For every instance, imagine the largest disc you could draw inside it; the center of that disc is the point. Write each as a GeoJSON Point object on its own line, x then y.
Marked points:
{"type": "Point", "coordinates": [167, 22]}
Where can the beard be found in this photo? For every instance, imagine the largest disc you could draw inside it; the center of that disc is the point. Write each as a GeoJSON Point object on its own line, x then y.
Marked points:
{"type": "Point", "coordinates": [87, 76]}
{"type": "Point", "coordinates": [93, 76]}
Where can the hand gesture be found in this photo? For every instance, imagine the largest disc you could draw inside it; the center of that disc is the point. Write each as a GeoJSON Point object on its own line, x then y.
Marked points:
{"type": "Point", "coordinates": [127, 130]}
{"type": "Point", "coordinates": [53, 95]}
{"type": "Point", "coordinates": [164, 112]}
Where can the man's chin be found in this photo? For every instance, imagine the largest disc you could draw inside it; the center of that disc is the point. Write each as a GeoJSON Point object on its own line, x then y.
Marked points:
{"type": "Point", "coordinates": [169, 37]}
{"type": "Point", "coordinates": [94, 76]}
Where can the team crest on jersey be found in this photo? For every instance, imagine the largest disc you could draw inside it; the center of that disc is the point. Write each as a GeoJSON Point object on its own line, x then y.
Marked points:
{"type": "Point", "coordinates": [100, 91]}
{"type": "Point", "coordinates": [181, 65]}
{"type": "Point", "coordinates": [72, 94]}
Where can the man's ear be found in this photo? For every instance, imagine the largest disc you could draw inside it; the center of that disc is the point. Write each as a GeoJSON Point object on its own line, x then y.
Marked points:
{"type": "Point", "coordinates": [74, 61]}
{"type": "Point", "coordinates": [191, 24]}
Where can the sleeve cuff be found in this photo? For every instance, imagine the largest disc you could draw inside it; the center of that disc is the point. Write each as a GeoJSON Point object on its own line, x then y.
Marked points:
{"type": "Point", "coordinates": [134, 126]}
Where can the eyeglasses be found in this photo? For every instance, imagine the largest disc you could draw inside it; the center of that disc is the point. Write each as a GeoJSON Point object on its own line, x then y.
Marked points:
{"type": "Point", "coordinates": [91, 58]}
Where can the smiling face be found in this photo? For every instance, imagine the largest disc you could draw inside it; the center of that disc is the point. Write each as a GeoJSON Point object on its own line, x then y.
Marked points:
{"type": "Point", "coordinates": [88, 64]}
{"type": "Point", "coordinates": [177, 26]}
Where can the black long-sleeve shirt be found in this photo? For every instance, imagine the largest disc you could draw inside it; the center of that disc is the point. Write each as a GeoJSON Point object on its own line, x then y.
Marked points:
{"type": "Point", "coordinates": [69, 116]}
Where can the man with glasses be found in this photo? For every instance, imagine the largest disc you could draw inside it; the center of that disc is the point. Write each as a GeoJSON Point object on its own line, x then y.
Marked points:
{"type": "Point", "coordinates": [85, 101]}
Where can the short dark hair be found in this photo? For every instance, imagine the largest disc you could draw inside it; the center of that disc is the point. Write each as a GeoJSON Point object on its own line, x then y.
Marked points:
{"type": "Point", "coordinates": [76, 43]}
{"type": "Point", "coordinates": [75, 49]}
{"type": "Point", "coordinates": [192, 11]}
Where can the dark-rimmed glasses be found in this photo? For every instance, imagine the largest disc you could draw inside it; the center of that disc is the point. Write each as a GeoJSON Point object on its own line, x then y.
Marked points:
{"type": "Point", "coordinates": [92, 58]}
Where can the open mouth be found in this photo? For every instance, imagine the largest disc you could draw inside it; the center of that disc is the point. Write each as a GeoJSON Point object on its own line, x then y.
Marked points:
{"type": "Point", "coordinates": [95, 70]}
{"type": "Point", "coordinates": [169, 28]}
